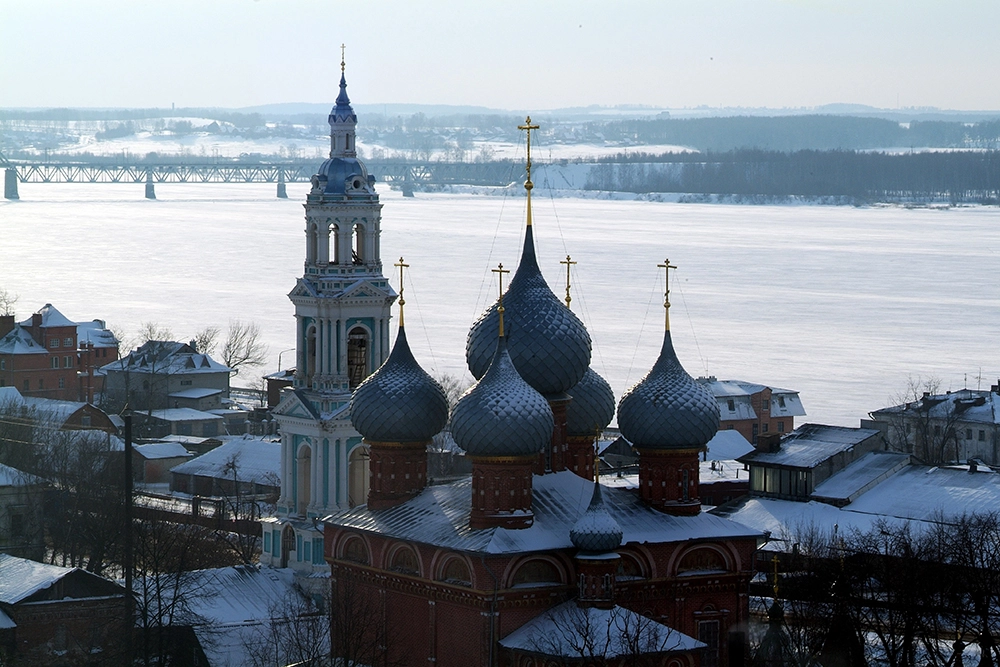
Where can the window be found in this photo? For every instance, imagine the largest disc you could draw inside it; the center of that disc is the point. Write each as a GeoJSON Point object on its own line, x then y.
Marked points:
{"type": "Point", "coordinates": [62, 383]}
{"type": "Point", "coordinates": [53, 343]}
{"type": "Point", "coordinates": [708, 633]}
{"type": "Point", "coordinates": [185, 382]}
{"type": "Point", "coordinates": [67, 342]}
{"type": "Point", "coordinates": [968, 434]}
{"type": "Point", "coordinates": [27, 386]}
{"type": "Point", "coordinates": [67, 362]}
{"type": "Point", "coordinates": [356, 551]}
{"type": "Point", "coordinates": [3, 364]}
{"type": "Point", "coordinates": [317, 551]}
{"type": "Point", "coordinates": [730, 427]}
{"type": "Point", "coordinates": [685, 484]}
{"type": "Point", "coordinates": [405, 561]}
{"type": "Point", "coordinates": [298, 548]}
{"type": "Point", "coordinates": [781, 426]}
{"type": "Point", "coordinates": [731, 404]}
{"type": "Point", "coordinates": [307, 555]}
{"type": "Point", "coordinates": [781, 401]}
{"type": "Point", "coordinates": [54, 362]}
{"type": "Point", "coordinates": [765, 405]}
{"type": "Point", "coordinates": [765, 427]}
{"type": "Point", "coordinates": [267, 541]}
{"type": "Point", "coordinates": [982, 435]}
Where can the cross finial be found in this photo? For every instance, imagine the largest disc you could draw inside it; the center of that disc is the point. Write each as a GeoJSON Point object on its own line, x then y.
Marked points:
{"type": "Point", "coordinates": [342, 63]}
{"type": "Point", "coordinates": [500, 270]}
{"type": "Point", "coordinates": [666, 293]}
{"type": "Point", "coordinates": [528, 185]}
{"type": "Point", "coordinates": [774, 560]}
{"type": "Point", "coordinates": [597, 454]}
{"type": "Point", "coordinates": [568, 262]}
{"type": "Point", "coordinates": [402, 301]}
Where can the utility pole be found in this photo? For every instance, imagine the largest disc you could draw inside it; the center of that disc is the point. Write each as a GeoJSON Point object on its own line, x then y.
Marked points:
{"type": "Point", "coordinates": [129, 558]}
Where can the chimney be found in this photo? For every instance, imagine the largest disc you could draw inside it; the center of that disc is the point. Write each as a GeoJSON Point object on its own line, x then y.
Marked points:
{"type": "Point", "coordinates": [769, 442]}
{"type": "Point", "coordinates": [36, 321]}
{"type": "Point", "coordinates": [6, 324]}
{"type": "Point", "coordinates": [973, 466]}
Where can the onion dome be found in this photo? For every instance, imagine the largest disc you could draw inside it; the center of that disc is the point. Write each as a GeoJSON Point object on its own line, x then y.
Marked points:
{"type": "Point", "coordinates": [592, 407]}
{"type": "Point", "coordinates": [399, 402]}
{"type": "Point", "coordinates": [548, 343]}
{"type": "Point", "coordinates": [344, 175]}
{"type": "Point", "coordinates": [667, 408]}
{"type": "Point", "coordinates": [596, 531]}
{"type": "Point", "coordinates": [502, 415]}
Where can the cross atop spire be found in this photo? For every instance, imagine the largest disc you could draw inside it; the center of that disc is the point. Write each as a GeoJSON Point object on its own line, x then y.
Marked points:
{"type": "Point", "coordinates": [500, 270]}
{"type": "Point", "coordinates": [342, 62]}
{"type": "Point", "coordinates": [666, 293]}
{"type": "Point", "coordinates": [528, 185]}
{"type": "Point", "coordinates": [402, 302]}
{"type": "Point", "coordinates": [568, 262]}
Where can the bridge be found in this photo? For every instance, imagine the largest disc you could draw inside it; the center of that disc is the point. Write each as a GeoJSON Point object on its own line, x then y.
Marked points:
{"type": "Point", "coordinates": [407, 175]}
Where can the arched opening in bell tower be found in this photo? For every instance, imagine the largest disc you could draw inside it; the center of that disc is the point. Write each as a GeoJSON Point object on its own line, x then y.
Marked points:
{"type": "Point", "coordinates": [334, 252]}
{"type": "Point", "coordinates": [358, 476]}
{"type": "Point", "coordinates": [304, 478]}
{"type": "Point", "coordinates": [359, 244]}
{"type": "Point", "coordinates": [358, 348]}
{"type": "Point", "coordinates": [310, 355]}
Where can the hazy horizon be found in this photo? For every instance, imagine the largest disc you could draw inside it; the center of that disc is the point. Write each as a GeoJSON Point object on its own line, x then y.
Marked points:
{"type": "Point", "coordinates": [774, 54]}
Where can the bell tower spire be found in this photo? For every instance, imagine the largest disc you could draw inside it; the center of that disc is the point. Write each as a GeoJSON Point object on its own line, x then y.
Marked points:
{"type": "Point", "coordinates": [343, 121]}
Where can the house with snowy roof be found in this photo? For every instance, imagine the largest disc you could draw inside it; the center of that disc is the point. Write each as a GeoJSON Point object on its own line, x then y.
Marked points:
{"type": "Point", "coordinates": [752, 409]}
{"type": "Point", "coordinates": [146, 377]}
{"type": "Point", "coordinates": [21, 505]}
{"type": "Point", "coordinates": [251, 463]}
{"type": "Point", "coordinates": [59, 414]}
{"type": "Point", "coordinates": [52, 615]}
{"type": "Point", "coordinates": [50, 356]}
{"type": "Point", "coordinates": [151, 462]}
{"type": "Point", "coordinates": [956, 426]}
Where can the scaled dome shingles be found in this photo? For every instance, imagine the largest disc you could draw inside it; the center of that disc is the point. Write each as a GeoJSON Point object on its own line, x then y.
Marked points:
{"type": "Point", "coordinates": [502, 415]}
{"type": "Point", "coordinates": [596, 531]}
{"type": "Point", "coordinates": [592, 407]}
{"type": "Point", "coordinates": [399, 402]}
{"type": "Point", "coordinates": [667, 409]}
{"type": "Point", "coordinates": [548, 344]}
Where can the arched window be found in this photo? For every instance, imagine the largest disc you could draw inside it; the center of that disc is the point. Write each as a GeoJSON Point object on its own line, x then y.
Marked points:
{"type": "Point", "coordinates": [304, 474]}
{"type": "Point", "coordinates": [405, 560]}
{"type": "Point", "coordinates": [702, 560]}
{"type": "Point", "coordinates": [629, 568]}
{"type": "Point", "coordinates": [537, 573]}
{"type": "Point", "coordinates": [356, 551]}
{"type": "Point", "coordinates": [359, 244]}
{"type": "Point", "coordinates": [357, 356]}
{"type": "Point", "coordinates": [334, 244]}
{"type": "Point", "coordinates": [358, 467]}
{"type": "Point", "coordinates": [455, 571]}
{"type": "Point", "coordinates": [310, 354]}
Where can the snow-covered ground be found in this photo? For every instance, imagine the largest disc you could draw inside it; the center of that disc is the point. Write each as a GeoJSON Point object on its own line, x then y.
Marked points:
{"type": "Point", "coordinates": [839, 303]}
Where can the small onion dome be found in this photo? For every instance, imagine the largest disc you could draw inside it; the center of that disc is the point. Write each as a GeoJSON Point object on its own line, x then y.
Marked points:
{"type": "Point", "coordinates": [399, 402]}
{"type": "Point", "coordinates": [501, 415]}
{"type": "Point", "coordinates": [548, 343]}
{"type": "Point", "coordinates": [667, 408]}
{"type": "Point", "coordinates": [596, 531]}
{"type": "Point", "coordinates": [592, 407]}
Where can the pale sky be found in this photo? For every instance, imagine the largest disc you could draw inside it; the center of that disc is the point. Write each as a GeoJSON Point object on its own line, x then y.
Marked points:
{"type": "Point", "coordinates": [509, 55]}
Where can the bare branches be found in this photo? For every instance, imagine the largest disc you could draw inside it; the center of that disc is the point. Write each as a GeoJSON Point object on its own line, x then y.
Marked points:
{"type": "Point", "coordinates": [243, 346]}
{"type": "Point", "coordinates": [153, 331]}
{"type": "Point", "coordinates": [7, 302]}
{"type": "Point", "coordinates": [205, 341]}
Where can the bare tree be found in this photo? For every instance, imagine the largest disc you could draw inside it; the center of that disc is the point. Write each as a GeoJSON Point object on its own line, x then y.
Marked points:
{"type": "Point", "coordinates": [243, 346]}
{"type": "Point", "coordinates": [359, 625]}
{"type": "Point", "coordinates": [7, 302]}
{"type": "Point", "coordinates": [153, 331]}
{"type": "Point", "coordinates": [241, 506]}
{"type": "Point", "coordinates": [206, 340]}
{"type": "Point", "coordinates": [295, 632]}
{"type": "Point", "coordinates": [454, 386]}
{"type": "Point", "coordinates": [923, 422]}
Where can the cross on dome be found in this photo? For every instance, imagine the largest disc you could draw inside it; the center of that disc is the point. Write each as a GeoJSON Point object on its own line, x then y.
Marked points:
{"type": "Point", "coordinates": [666, 293]}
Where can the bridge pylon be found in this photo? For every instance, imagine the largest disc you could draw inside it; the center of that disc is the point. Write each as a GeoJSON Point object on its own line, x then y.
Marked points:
{"type": "Point", "coordinates": [282, 194]}
{"type": "Point", "coordinates": [150, 190]}
{"type": "Point", "coordinates": [10, 183]}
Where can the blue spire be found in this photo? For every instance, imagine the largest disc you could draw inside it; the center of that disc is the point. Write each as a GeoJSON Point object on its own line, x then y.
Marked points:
{"type": "Point", "coordinates": [343, 101]}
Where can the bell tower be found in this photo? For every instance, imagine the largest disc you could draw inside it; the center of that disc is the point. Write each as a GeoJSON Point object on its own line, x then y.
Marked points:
{"type": "Point", "coordinates": [342, 310]}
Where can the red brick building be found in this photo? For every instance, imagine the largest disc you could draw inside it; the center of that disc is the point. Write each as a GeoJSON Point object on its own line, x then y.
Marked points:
{"type": "Point", "coordinates": [754, 409]}
{"type": "Point", "coordinates": [46, 356]}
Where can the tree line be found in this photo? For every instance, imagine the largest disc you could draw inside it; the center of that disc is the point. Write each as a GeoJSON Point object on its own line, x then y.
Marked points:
{"type": "Point", "coordinates": [965, 176]}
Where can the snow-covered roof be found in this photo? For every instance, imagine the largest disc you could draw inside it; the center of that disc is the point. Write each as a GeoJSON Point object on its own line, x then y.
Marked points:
{"type": "Point", "coordinates": [94, 332]}
{"type": "Point", "coordinates": [572, 632]}
{"type": "Point", "coordinates": [14, 477]}
{"type": "Point", "coordinates": [166, 358]}
{"type": "Point", "coordinates": [256, 460]}
{"type": "Point", "coordinates": [50, 318]}
{"type": "Point", "coordinates": [195, 392]}
{"type": "Point", "coordinates": [440, 516]}
{"type": "Point", "coordinates": [811, 444]}
{"type": "Point", "coordinates": [965, 405]}
{"type": "Point", "coordinates": [859, 476]}
{"type": "Point", "coordinates": [52, 408]}
{"type": "Point", "coordinates": [728, 445]}
{"type": "Point", "coordinates": [161, 450]}
{"type": "Point", "coordinates": [183, 415]}
{"type": "Point", "coordinates": [11, 397]}
{"type": "Point", "coordinates": [6, 622]}
{"type": "Point", "coordinates": [187, 439]}
{"type": "Point", "coordinates": [784, 402]}
{"type": "Point", "coordinates": [21, 578]}
{"type": "Point", "coordinates": [718, 470]}
{"type": "Point", "coordinates": [19, 341]}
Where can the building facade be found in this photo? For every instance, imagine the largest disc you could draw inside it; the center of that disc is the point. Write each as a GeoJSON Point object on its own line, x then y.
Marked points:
{"type": "Point", "coordinates": [342, 310]}
{"type": "Point", "coordinates": [754, 409]}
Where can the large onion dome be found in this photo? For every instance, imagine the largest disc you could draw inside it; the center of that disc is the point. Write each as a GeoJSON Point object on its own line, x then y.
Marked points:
{"type": "Point", "coordinates": [596, 531]}
{"type": "Point", "coordinates": [592, 407]}
{"type": "Point", "coordinates": [548, 343]}
{"type": "Point", "coordinates": [501, 415]}
{"type": "Point", "coordinates": [667, 408]}
{"type": "Point", "coordinates": [399, 402]}
{"type": "Point", "coordinates": [343, 175]}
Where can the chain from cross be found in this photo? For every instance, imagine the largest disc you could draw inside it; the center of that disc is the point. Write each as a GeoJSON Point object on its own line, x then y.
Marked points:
{"type": "Point", "coordinates": [666, 293]}
{"type": "Point", "coordinates": [402, 301]}
{"type": "Point", "coordinates": [528, 127]}
{"type": "Point", "coordinates": [568, 262]}
{"type": "Point", "coordinates": [500, 270]}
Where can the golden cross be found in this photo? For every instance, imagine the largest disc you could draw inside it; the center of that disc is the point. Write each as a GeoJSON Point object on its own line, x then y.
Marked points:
{"type": "Point", "coordinates": [774, 559]}
{"type": "Point", "coordinates": [342, 47]}
{"type": "Point", "coordinates": [568, 262]}
{"type": "Point", "coordinates": [529, 127]}
{"type": "Point", "coordinates": [500, 270]}
{"type": "Point", "coordinates": [666, 294]}
{"type": "Point", "coordinates": [402, 301]}
{"type": "Point", "coordinates": [597, 454]}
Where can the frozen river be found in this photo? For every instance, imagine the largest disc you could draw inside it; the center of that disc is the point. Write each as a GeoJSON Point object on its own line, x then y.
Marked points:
{"type": "Point", "coordinates": [841, 304]}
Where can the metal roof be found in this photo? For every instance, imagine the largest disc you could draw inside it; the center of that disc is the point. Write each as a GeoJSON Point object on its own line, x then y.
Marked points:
{"type": "Point", "coordinates": [439, 516]}
{"type": "Point", "coordinates": [811, 444]}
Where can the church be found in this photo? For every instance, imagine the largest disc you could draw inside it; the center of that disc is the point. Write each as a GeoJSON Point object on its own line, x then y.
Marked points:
{"type": "Point", "coordinates": [530, 560]}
